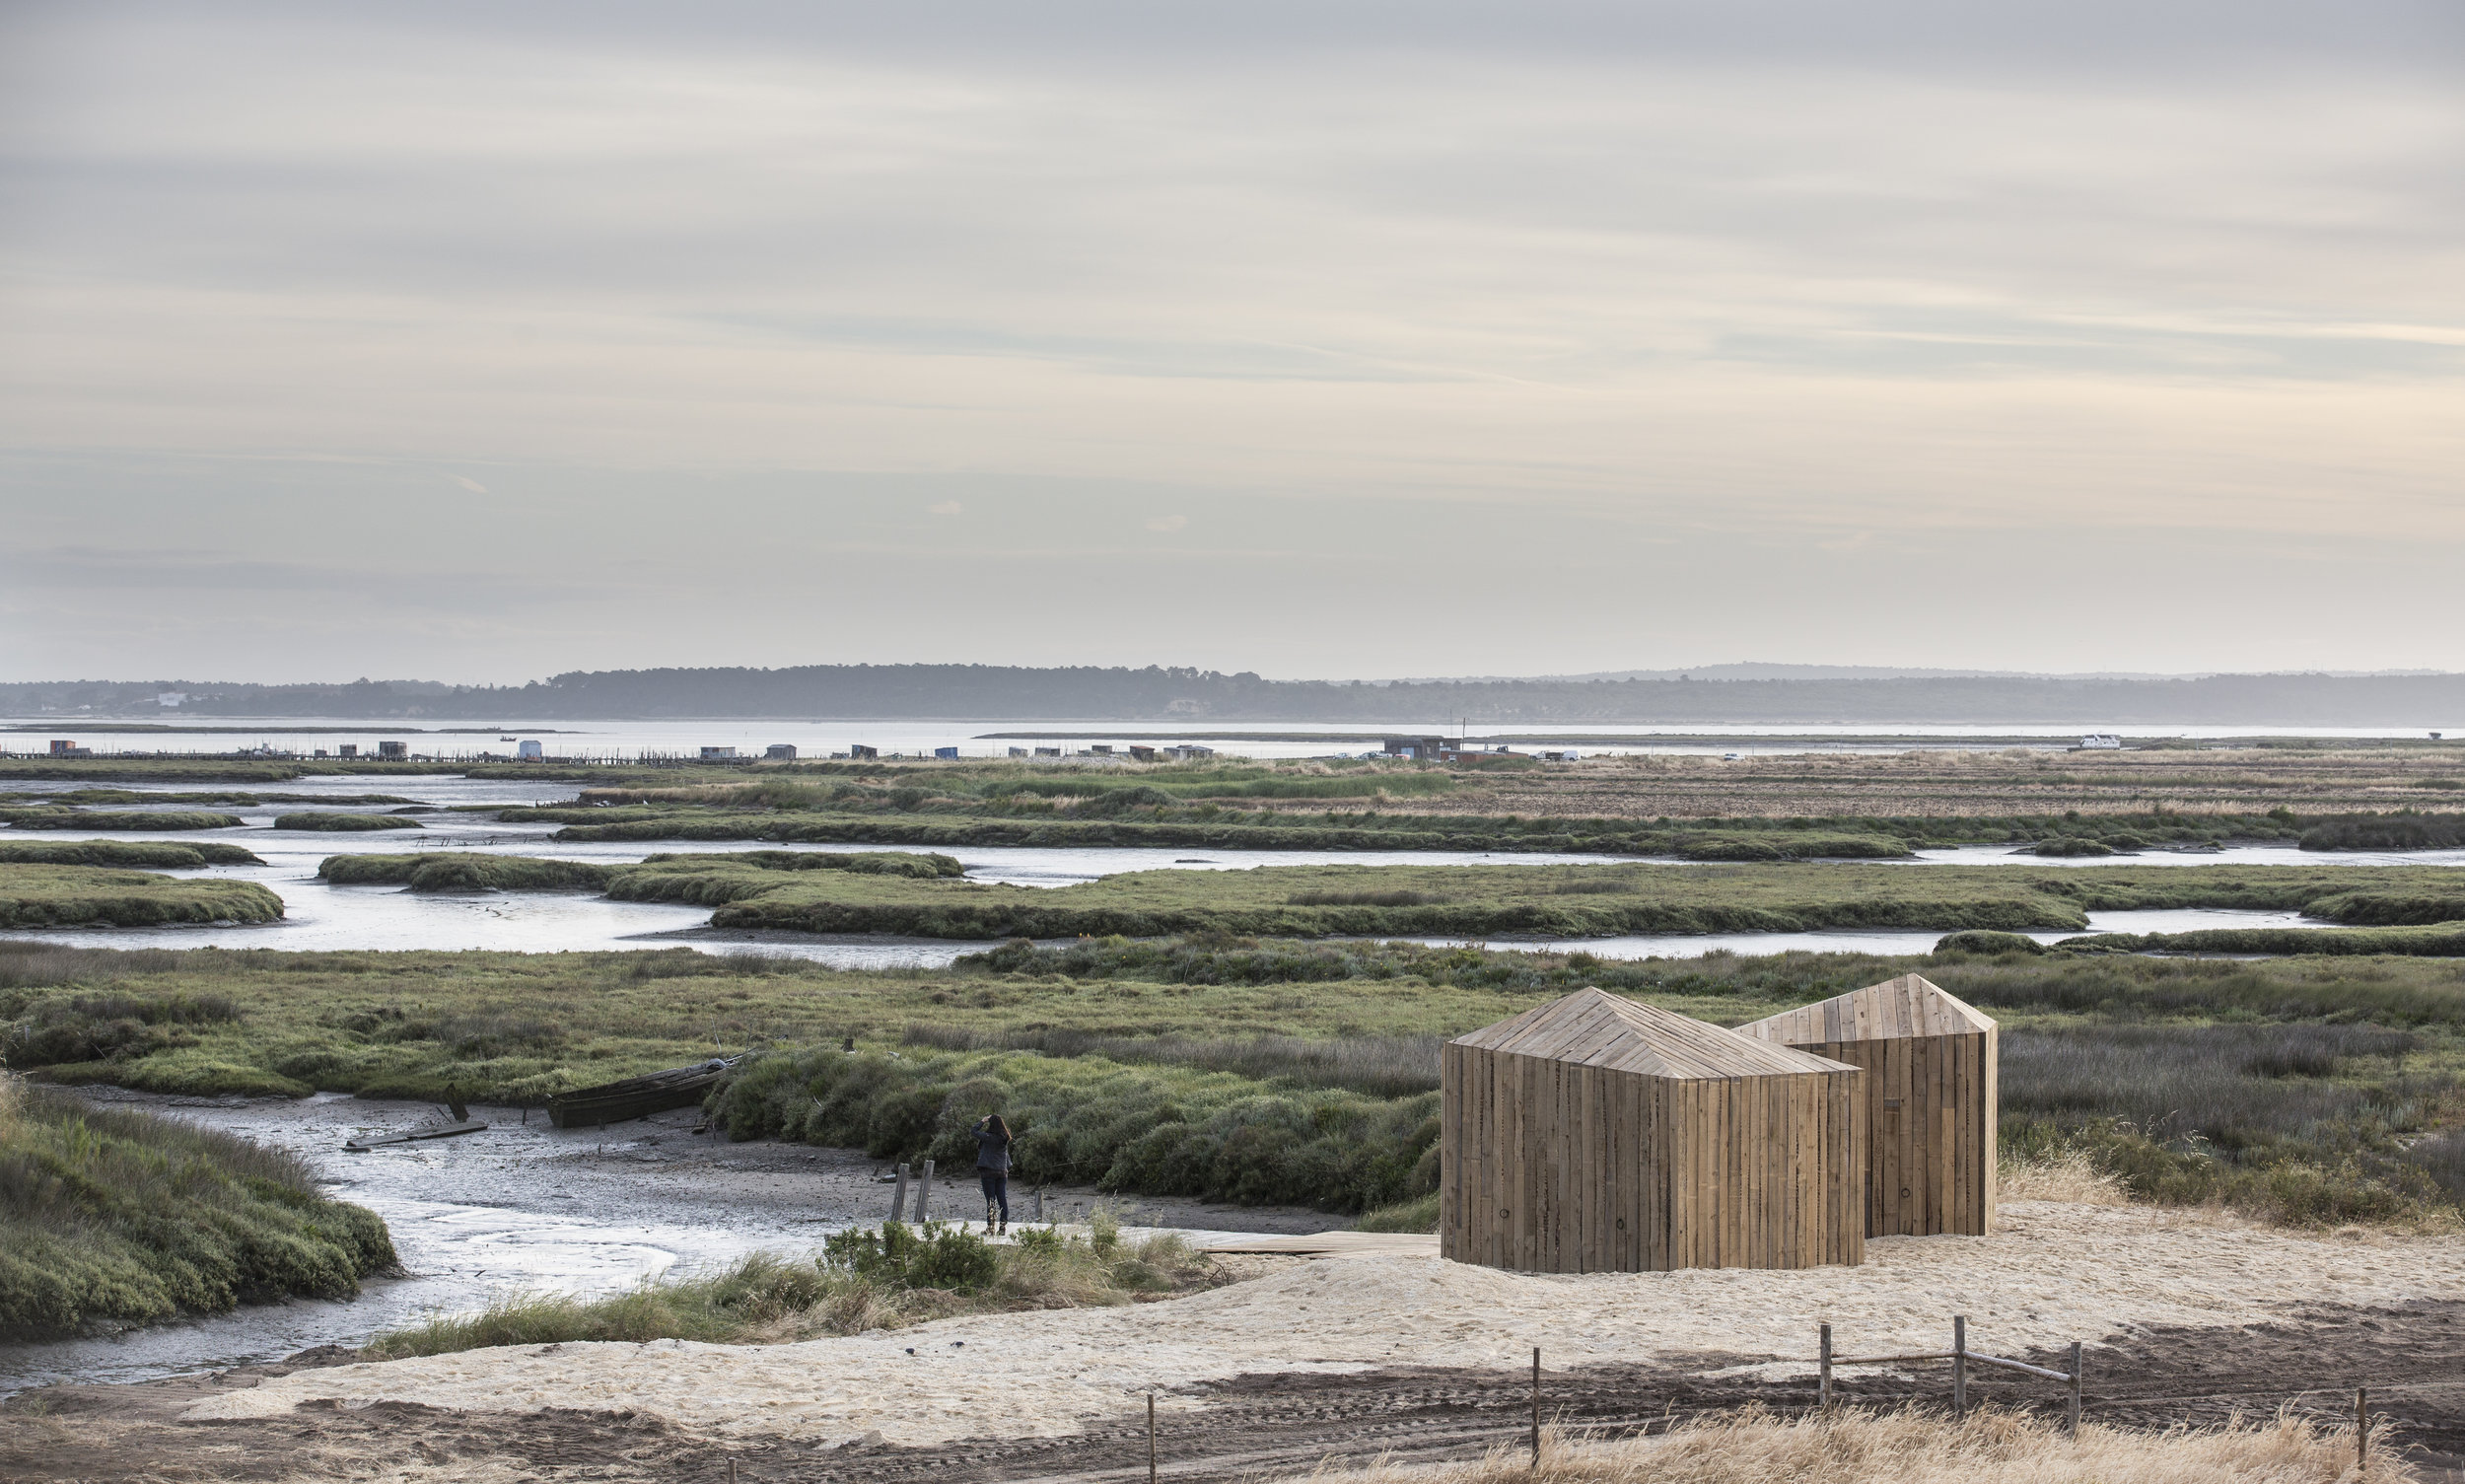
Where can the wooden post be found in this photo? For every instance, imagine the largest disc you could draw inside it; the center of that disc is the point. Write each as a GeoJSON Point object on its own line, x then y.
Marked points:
{"type": "Point", "coordinates": [2362, 1430]}
{"type": "Point", "coordinates": [2075, 1388]}
{"type": "Point", "coordinates": [1536, 1408]}
{"type": "Point", "coordinates": [1039, 1199]}
{"type": "Point", "coordinates": [1959, 1367]}
{"type": "Point", "coordinates": [731, 1468]}
{"type": "Point", "coordinates": [898, 1195]}
{"type": "Point", "coordinates": [1823, 1386]}
{"type": "Point", "coordinates": [1151, 1438]}
{"type": "Point", "coordinates": [923, 1195]}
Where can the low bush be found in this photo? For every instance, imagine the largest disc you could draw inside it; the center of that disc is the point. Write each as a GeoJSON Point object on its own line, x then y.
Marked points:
{"type": "Point", "coordinates": [1988, 943]}
{"type": "Point", "coordinates": [1089, 1120]}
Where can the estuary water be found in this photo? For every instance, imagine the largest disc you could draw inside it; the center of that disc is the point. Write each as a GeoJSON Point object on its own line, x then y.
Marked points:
{"type": "Point", "coordinates": [319, 916]}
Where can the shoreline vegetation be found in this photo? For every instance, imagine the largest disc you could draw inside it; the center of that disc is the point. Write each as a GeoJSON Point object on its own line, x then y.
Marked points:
{"type": "Point", "coordinates": [117, 1217]}
{"type": "Point", "coordinates": [2311, 1090]}
{"type": "Point", "coordinates": [129, 819]}
{"type": "Point", "coordinates": [77, 897]}
{"type": "Point", "coordinates": [926, 896]}
{"type": "Point", "coordinates": [158, 854]}
{"type": "Point", "coordinates": [885, 1277]}
{"type": "Point", "coordinates": [334, 822]}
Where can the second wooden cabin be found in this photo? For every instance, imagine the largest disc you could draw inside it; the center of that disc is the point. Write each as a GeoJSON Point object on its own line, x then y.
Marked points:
{"type": "Point", "coordinates": [1931, 1068]}
{"type": "Point", "coordinates": [1594, 1134]}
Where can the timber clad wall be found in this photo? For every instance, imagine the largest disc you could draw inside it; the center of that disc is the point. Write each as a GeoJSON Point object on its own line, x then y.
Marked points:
{"type": "Point", "coordinates": [1595, 1134]}
{"type": "Point", "coordinates": [1932, 1062]}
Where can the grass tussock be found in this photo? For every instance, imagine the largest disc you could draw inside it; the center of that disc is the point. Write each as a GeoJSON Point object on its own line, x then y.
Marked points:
{"type": "Point", "coordinates": [120, 1217]}
{"type": "Point", "coordinates": [334, 821]}
{"type": "Point", "coordinates": [2058, 1172]}
{"type": "Point", "coordinates": [143, 855]}
{"type": "Point", "coordinates": [75, 896]}
{"type": "Point", "coordinates": [129, 819]}
{"type": "Point", "coordinates": [1852, 1446]}
{"type": "Point", "coordinates": [886, 1277]}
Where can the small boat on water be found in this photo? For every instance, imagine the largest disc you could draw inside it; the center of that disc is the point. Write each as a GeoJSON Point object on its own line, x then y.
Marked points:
{"type": "Point", "coordinates": [639, 1096]}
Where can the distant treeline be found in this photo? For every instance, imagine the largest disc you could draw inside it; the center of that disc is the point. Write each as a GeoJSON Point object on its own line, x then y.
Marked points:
{"type": "Point", "coordinates": [1166, 696]}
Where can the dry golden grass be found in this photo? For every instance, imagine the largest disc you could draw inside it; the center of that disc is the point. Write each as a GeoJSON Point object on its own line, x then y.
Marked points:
{"type": "Point", "coordinates": [1850, 1446]}
{"type": "Point", "coordinates": [2068, 1175]}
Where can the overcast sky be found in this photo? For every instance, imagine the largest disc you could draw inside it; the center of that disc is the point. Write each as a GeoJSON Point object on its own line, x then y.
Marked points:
{"type": "Point", "coordinates": [1312, 338]}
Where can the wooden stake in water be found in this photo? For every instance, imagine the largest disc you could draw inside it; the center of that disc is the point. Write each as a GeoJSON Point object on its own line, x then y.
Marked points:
{"type": "Point", "coordinates": [1536, 1408]}
{"type": "Point", "coordinates": [1151, 1438]}
{"type": "Point", "coordinates": [1823, 1384]}
{"type": "Point", "coordinates": [1959, 1367]}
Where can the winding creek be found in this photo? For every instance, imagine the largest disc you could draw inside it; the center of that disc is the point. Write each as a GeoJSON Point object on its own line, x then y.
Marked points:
{"type": "Point", "coordinates": [319, 916]}
{"type": "Point", "coordinates": [522, 1206]}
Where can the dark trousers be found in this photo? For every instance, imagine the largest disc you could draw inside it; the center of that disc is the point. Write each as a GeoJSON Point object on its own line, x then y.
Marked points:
{"type": "Point", "coordinates": [996, 1185]}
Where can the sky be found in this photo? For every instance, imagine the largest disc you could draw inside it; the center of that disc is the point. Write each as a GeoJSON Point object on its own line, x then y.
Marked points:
{"type": "Point", "coordinates": [479, 344]}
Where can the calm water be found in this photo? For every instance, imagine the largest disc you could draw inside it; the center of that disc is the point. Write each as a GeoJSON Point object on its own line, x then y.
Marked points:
{"type": "Point", "coordinates": [993, 739]}
{"type": "Point", "coordinates": [319, 916]}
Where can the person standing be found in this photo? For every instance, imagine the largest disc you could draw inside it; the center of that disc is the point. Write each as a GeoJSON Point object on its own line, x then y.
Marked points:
{"type": "Point", "coordinates": [993, 1143]}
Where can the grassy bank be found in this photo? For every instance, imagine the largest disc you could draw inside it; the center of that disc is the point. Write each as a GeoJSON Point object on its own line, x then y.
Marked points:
{"type": "Point", "coordinates": [705, 879]}
{"type": "Point", "coordinates": [123, 1216]}
{"type": "Point", "coordinates": [74, 896]}
{"type": "Point", "coordinates": [879, 1278]}
{"type": "Point", "coordinates": [1571, 901]}
{"type": "Point", "coordinates": [239, 797]}
{"type": "Point", "coordinates": [341, 824]}
{"type": "Point", "coordinates": [156, 855]}
{"type": "Point", "coordinates": [2311, 1089]}
{"type": "Point", "coordinates": [2440, 942]}
{"type": "Point", "coordinates": [130, 820]}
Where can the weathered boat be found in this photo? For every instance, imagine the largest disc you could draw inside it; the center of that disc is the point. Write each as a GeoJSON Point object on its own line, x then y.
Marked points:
{"type": "Point", "coordinates": [639, 1096]}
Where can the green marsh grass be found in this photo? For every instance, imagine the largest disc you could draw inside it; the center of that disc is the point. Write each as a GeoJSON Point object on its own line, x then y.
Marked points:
{"type": "Point", "coordinates": [342, 824]}
{"type": "Point", "coordinates": [69, 896]}
{"type": "Point", "coordinates": [121, 1217]}
{"type": "Point", "coordinates": [155, 855]}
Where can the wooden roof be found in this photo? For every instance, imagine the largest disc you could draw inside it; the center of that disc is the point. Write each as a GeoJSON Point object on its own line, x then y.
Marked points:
{"type": "Point", "coordinates": [1909, 1006]}
{"type": "Point", "coordinates": [1599, 1029]}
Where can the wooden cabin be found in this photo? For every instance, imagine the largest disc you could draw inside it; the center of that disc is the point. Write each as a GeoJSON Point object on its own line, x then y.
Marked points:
{"type": "Point", "coordinates": [1931, 1066]}
{"type": "Point", "coordinates": [1594, 1134]}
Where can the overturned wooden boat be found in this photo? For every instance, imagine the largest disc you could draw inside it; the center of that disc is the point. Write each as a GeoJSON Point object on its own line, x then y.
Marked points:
{"type": "Point", "coordinates": [431, 1131]}
{"type": "Point", "coordinates": [639, 1096]}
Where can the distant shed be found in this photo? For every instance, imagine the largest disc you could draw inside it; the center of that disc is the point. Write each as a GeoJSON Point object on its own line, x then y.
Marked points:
{"type": "Point", "coordinates": [1594, 1134]}
{"type": "Point", "coordinates": [1932, 1063]}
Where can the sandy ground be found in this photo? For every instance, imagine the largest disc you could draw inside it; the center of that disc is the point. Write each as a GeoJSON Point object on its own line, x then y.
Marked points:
{"type": "Point", "coordinates": [2054, 1273]}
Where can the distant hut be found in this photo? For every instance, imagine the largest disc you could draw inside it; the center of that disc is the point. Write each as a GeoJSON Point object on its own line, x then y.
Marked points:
{"type": "Point", "coordinates": [1931, 1066]}
{"type": "Point", "coordinates": [1595, 1134]}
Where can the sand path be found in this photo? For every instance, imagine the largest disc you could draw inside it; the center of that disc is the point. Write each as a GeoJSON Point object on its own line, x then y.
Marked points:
{"type": "Point", "coordinates": [2053, 1273]}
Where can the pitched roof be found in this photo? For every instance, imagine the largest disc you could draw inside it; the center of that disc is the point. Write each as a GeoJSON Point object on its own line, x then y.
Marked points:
{"type": "Point", "coordinates": [1909, 1006]}
{"type": "Point", "coordinates": [1599, 1029]}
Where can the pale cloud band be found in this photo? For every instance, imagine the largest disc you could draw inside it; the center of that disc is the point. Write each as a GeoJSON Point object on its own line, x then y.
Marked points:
{"type": "Point", "coordinates": [1688, 287]}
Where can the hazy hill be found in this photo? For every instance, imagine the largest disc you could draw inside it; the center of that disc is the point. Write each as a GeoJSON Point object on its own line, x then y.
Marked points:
{"type": "Point", "coordinates": [978, 692]}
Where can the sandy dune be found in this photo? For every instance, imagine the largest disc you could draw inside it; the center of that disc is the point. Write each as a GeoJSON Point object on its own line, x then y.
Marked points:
{"type": "Point", "coordinates": [2054, 1273]}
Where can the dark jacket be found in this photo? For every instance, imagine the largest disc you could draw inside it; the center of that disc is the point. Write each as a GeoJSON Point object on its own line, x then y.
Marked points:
{"type": "Point", "coordinates": [992, 1150]}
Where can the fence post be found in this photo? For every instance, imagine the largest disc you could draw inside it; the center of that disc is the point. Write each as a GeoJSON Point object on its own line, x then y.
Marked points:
{"type": "Point", "coordinates": [2362, 1430]}
{"type": "Point", "coordinates": [2075, 1388]}
{"type": "Point", "coordinates": [899, 1194]}
{"type": "Point", "coordinates": [1959, 1367]}
{"type": "Point", "coordinates": [1039, 1198]}
{"type": "Point", "coordinates": [923, 1195]}
{"type": "Point", "coordinates": [1536, 1408]}
{"type": "Point", "coordinates": [1151, 1438]}
{"type": "Point", "coordinates": [1823, 1386]}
